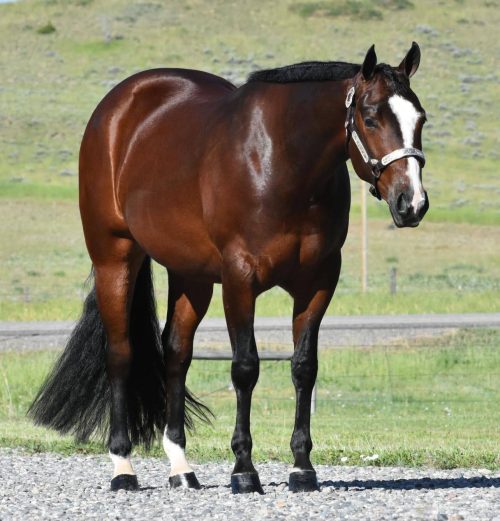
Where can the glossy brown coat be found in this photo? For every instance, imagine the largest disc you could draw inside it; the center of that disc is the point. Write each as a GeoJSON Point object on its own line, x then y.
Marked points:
{"type": "Point", "coordinates": [197, 173]}
{"type": "Point", "coordinates": [246, 187]}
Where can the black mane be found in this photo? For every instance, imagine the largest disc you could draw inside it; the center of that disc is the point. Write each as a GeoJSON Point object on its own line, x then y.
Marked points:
{"type": "Point", "coordinates": [328, 71]}
{"type": "Point", "coordinates": [307, 71]}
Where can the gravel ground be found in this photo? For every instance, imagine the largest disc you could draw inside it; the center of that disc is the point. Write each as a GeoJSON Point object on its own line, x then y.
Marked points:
{"type": "Point", "coordinates": [50, 486]}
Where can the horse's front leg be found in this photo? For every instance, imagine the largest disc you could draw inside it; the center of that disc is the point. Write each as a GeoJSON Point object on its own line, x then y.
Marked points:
{"type": "Point", "coordinates": [311, 298]}
{"type": "Point", "coordinates": [238, 287]}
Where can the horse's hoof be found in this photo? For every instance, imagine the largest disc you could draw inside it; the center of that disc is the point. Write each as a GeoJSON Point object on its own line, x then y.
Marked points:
{"type": "Point", "coordinates": [303, 481]}
{"type": "Point", "coordinates": [124, 482]}
{"type": "Point", "coordinates": [246, 482]}
{"type": "Point", "coordinates": [187, 480]}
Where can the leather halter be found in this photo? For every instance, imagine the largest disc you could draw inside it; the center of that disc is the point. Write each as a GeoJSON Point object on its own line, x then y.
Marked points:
{"type": "Point", "coordinates": [377, 166]}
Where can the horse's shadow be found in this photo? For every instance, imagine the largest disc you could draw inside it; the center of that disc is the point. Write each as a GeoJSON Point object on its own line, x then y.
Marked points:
{"type": "Point", "coordinates": [415, 483]}
{"type": "Point", "coordinates": [390, 484]}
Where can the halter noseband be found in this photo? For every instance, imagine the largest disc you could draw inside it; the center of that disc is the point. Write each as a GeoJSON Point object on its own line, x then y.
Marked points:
{"type": "Point", "coordinates": [377, 165]}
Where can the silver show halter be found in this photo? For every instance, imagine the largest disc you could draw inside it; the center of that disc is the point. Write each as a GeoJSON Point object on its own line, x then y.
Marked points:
{"type": "Point", "coordinates": [377, 165]}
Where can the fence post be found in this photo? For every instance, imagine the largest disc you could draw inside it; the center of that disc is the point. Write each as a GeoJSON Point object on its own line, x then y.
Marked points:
{"type": "Point", "coordinates": [393, 280]}
{"type": "Point", "coordinates": [364, 239]}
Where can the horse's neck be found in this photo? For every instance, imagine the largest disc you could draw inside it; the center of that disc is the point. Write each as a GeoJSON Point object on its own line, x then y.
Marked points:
{"type": "Point", "coordinates": [312, 139]}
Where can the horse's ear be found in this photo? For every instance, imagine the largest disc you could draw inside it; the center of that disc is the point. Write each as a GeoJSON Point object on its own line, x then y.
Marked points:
{"type": "Point", "coordinates": [369, 63]}
{"type": "Point", "coordinates": [411, 61]}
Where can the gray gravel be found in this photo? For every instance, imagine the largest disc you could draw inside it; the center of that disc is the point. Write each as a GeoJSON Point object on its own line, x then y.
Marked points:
{"type": "Point", "coordinates": [50, 486]}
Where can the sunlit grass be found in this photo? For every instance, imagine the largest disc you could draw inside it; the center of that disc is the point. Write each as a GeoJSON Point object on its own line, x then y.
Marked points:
{"type": "Point", "coordinates": [51, 83]}
{"type": "Point", "coordinates": [441, 267]}
{"type": "Point", "coordinates": [426, 403]}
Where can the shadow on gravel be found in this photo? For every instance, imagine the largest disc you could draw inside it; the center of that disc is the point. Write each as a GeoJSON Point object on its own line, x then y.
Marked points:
{"type": "Point", "coordinates": [420, 483]}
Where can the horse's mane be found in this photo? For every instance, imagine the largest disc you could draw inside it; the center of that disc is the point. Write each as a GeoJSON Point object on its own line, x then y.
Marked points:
{"type": "Point", "coordinates": [327, 71]}
{"type": "Point", "coordinates": [307, 71]}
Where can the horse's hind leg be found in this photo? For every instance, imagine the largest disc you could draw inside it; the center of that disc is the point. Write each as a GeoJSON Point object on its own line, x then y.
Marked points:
{"type": "Point", "coordinates": [187, 304]}
{"type": "Point", "coordinates": [311, 298]}
{"type": "Point", "coordinates": [115, 277]}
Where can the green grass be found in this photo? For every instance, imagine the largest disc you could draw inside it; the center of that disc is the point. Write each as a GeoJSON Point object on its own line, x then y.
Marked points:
{"type": "Point", "coordinates": [355, 9]}
{"type": "Point", "coordinates": [44, 265]}
{"type": "Point", "coordinates": [96, 44]}
{"type": "Point", "coordinates": [426, 403]}
{"type": "Point", "coordinates": [277, 303]}
{"type": "Point", "coordinates": [52, 82]}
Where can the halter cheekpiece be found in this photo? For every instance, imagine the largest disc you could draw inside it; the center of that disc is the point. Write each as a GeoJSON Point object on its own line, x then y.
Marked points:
{"type": "Point", "coordinates": [377, 165]}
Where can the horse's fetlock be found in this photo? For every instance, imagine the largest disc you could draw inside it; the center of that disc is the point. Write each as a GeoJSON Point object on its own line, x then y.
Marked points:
{"type": "Point", "coordinates": [301, 442]}
{"type": "Point", "coordinates": [241, 444]}
{"type": "Point", "coordinates": [177, 436]}
{"type": "Point", "coordinates": [120, 446]}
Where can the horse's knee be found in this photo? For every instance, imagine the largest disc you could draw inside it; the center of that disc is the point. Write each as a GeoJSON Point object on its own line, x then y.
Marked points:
{"type": "Point", "coordinates": [304, 370]}
{"type": "Point", "coordinates": [245, 371]}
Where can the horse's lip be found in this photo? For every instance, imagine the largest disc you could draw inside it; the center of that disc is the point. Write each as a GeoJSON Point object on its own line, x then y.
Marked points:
{"type": "Point", "coordinates": [412, 222]}
{"type": "Point", "coordinates": [408, 224]}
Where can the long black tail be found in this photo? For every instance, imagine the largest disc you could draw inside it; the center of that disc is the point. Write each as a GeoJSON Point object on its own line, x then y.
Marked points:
{"type": "Point", "coordinates": [75, 398]}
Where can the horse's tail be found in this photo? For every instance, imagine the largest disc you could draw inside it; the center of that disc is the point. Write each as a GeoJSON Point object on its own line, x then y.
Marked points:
{"type": "Point", "coordinates": [75, 397]}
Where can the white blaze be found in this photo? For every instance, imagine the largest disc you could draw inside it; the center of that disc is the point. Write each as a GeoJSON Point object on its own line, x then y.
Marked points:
{"type": "Point", "coordinates": [122, 465]}
{"type": "Point", "coordinates": [176, 455]}
{"type": "Point", "coordinates": [407, 116]}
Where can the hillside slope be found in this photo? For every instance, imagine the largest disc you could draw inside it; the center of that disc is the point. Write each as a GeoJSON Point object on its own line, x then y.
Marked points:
{"type": "Point", "coordinates": [59, 57]}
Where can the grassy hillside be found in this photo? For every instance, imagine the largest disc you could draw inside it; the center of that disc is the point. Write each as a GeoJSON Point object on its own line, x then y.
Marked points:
{"type": "Point", "coordinates": [59, 57]}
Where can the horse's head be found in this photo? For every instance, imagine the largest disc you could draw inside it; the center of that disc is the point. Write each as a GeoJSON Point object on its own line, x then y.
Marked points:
{"type": "Point", "coordinates": [384, 127]}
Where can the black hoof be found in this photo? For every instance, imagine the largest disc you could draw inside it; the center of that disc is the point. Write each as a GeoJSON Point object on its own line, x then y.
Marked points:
{"type": "Point", "coordinates": [246, 482]}
{"type": "Point", "coordinates": [124, 482]}
{"type": "Point", "coordinates": [303, 481]}
{"type": "Point", "coordinates": [187, 480]}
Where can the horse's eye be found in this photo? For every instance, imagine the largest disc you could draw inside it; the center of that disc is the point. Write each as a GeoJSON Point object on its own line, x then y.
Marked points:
{"type": "Point", "coordinates": [370, 123]}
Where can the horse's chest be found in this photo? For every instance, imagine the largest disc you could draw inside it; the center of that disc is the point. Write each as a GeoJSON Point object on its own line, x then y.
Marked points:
{"type": "Point", "coordinates": [313, 249]}
{"type": "Point", "coordinates": [305, 249]}
{"type": "Point", "coordinates": [320, 234]}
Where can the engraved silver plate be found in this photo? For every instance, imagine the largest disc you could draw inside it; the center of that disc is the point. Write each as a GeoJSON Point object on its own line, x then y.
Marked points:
{"type": "Point", "coordinates": [348, 99]}
{"type": "Point", "coordinates": [360, 146]}
{"type": "Point", "coordinates": [403, 152]}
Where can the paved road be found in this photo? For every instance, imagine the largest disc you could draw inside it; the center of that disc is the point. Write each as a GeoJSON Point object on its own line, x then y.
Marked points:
{"type": "Point", "coordinates": [275, 333]}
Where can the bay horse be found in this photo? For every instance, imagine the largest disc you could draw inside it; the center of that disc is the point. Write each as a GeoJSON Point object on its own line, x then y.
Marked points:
{"type": "Point", "coordinates": [247, 187]}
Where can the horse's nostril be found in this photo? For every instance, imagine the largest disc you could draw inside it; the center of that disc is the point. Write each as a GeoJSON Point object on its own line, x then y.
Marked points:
{"type": "Point", "coordinates": [402, 205]}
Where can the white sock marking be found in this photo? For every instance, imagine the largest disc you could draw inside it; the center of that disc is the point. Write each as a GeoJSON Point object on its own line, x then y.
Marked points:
{"type": "Point", "coordinates": [176, 455]}
{"type": "Point", "coordinates": [407, 116]}
{"type": "Point", "coordinates": [122, 465]}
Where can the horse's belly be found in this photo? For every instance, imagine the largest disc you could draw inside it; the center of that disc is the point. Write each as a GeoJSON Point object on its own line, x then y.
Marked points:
{"type": "Point", "coordinates": [173, 234]}
{"type": "Point", "coordinates": [197, 263]}
{"type": "Point", "coordinates": [185, 255]}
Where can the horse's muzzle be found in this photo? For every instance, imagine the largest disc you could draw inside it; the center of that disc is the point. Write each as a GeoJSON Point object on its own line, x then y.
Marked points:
{"type": "Point", "coordinates": [404, 214]}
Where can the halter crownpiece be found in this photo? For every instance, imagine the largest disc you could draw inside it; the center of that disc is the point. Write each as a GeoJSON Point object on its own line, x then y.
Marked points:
{"type": "Point", "coordinates": [377, 165]}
